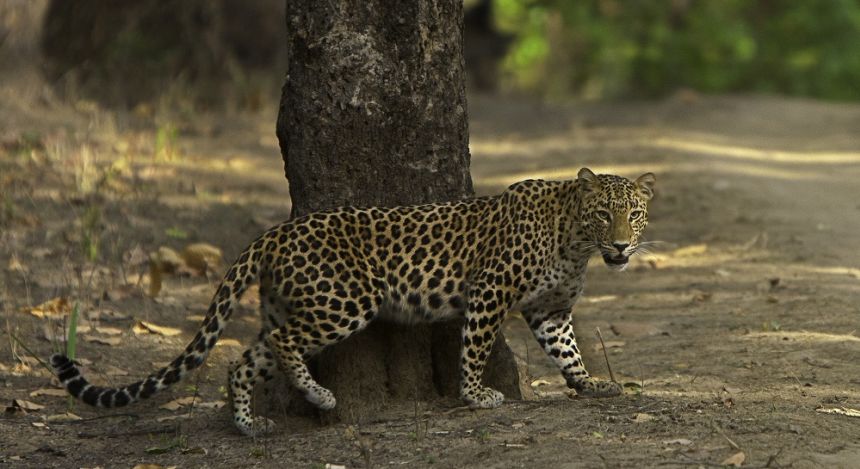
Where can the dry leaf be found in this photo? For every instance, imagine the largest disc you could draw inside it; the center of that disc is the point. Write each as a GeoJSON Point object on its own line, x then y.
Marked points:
{"type": "Point", "coordinates": [211, 405]}
{"type": "Point", "coordinates": [53, 392]}
{"type": "Point", "coordinates": [228, 343]}
{"type": "Point", "coordinates": [678, 441]}
{"type": "Point", "coordinates": [701, 297]}
{"type": "Point", "coordinates": [178, 403]}
{"type": "Point", "coordinates": [169, 418]}
{"type": "Point", "coordinates": [201, 256]}
{"type": "Point", "coordinates": [539, 382]}
{"type": "Point", "coordinates": [21, 369]}
{"type": "Point", "coordinates": [817, 362]}
{"type": "Point", "coordinates": [839, 411]}
{"type": "Point", "coordinates": [66, 417]}
{"type": "Point", "coordinates": [110, 341]}
{"type": "Point", "coordinates": [121, 292]}
{"type": "Point", "coordinates": [52, 332]}
{"type": "Point", "coordinates": [135, 256]}
{"type": "Point", "coordinates": [154, 279]}
{"type": "Point", "coordinates": [642, 417]}
{"type": "Point", "coordinates": [108, 330]}
{"type": "Point", "coordinates": [41, 253]}
{"type": "Point", "coordinates": [144, 327]}
{"type": "Point", "coordinates": [609, 344]}
{"type": "Point", "coordinates": [694, 250]}
{"type": "Point", "coordinates": [27, 405]}
{"type": "Point", "coordinates": [164, 261]}
{"type": "Point", "coordinates": [28, 360]}
{"type": "Point", "coordinates": [15, 265]}
{"type": "Point", "coordinates": [735, 460]}
{"type": "Point", "coordinates": [167, 259]}
{"type": "Point", "coordinates": [54, 308]}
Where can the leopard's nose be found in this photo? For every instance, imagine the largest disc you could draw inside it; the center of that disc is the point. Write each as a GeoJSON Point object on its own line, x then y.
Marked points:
{"type": "Point", "coordinates": [621, 246]}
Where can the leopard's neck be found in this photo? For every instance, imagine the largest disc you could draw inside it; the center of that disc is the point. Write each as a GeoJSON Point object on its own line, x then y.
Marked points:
{"type": "Point", "coordinates": [573, 244]}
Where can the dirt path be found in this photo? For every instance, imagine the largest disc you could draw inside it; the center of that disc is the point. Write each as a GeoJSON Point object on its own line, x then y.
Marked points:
{"type": "Point", "coordinates": [736, 330]}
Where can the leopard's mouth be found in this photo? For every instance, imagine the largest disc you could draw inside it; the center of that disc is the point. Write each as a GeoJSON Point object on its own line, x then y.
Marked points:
{"type": "Point", "coordinates": [619, 260]}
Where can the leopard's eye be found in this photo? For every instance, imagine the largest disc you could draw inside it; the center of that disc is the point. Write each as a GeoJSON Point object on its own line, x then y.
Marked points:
{"type": "Point", "coordinates": [635, 215]}
{"type": "Point", "coordinates": [604, 216]}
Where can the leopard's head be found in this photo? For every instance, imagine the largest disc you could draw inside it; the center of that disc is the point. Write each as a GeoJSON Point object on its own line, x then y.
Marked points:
{"type": "Point", "coordinates": [613, 213]}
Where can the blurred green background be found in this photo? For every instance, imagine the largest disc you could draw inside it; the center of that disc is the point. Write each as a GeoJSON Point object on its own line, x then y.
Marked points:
{"type": "Point", "coordinates": [617, 49]}
{"type": "Point", "coordinates": [124, 53]}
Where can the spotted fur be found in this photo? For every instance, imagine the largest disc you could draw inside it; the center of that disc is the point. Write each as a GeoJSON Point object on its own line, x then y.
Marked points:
{"type": "Point", "coordinates": [327, 275]}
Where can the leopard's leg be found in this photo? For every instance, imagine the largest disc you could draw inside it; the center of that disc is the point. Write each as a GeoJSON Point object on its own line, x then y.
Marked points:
{"type": "Point", "coordinates": [483, 320]}
{"type": "Point", "coordinates": [258, 363]}
{"type": "Point", "coordinates": [554, 332]}
{"type": "Point", "coordinates": [272, 313]}
{"type": "Point", "coordinates": [307, 333]}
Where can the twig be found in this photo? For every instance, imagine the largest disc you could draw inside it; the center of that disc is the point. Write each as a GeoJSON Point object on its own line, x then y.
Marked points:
{"type": "Point", "coordinates": [455, 410]}
{"type": "Point", "coordinates": [721, 432]}
{"type": "Point", "coordinates": [772, 458]}
{"type": "Point", "coordinates": [99, 417]}
{"type": "Point", "coordinates": [143, 431]}
{"type": "Point", "coordinates": [689, 462]}
{"type": "Point", "coordinates": [606, 356]}
{"type": "Point", "coordinates": [36, 357]}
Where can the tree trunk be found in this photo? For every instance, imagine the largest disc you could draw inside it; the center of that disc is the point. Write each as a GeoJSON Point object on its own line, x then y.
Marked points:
{"type": "Point", "coordinates": [373, 112]}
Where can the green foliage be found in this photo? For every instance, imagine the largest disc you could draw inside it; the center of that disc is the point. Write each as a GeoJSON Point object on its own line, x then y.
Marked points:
{"type": "Point", "coordinates": [176, 233]}
{"type": "Point", "coordinates": [166, 147]}
{"type": "Point", "coordinates": [612, 48]}
{"type": "Point", "coordinates": [91, 229]}
{"type": "Point", "coordinates": [72, 343]}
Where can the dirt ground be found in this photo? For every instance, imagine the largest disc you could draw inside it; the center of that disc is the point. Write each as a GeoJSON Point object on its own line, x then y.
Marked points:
{"type": "Point", "coordinates": [733, 336]}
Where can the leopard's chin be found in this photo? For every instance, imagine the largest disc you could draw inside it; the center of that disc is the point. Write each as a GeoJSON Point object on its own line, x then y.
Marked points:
{"type": "Point", "coordinates": [617, 263]}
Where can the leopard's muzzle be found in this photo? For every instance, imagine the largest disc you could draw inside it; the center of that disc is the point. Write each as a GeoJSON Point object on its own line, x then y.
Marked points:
{"type": "Point", "coordinates": [616, 262]}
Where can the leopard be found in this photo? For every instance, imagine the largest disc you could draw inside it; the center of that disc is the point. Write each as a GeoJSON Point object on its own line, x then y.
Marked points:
{"type": "Point", "coordinates": [325, 276]}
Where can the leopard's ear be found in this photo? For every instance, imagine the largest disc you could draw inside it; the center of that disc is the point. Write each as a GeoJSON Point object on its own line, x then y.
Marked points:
{"type": "Point", "coordinates": [645, 185]}
{"type": "Point", "coordinates": [588, 181]}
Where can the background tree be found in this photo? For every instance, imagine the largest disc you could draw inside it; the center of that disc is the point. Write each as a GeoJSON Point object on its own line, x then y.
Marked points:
{"type": "Point", "coordinates": [373, 112]}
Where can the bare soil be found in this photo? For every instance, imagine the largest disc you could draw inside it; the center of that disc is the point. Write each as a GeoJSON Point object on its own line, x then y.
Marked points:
{"type": "Point", "coordinates": [733, 335]}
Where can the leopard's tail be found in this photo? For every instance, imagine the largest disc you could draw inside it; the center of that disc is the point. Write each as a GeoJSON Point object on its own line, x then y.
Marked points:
{"type": "Point", "coordinates": [243, 272]}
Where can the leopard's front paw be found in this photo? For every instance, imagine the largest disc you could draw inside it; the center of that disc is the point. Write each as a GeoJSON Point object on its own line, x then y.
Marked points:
{"type": "Point", "coordinates": [592, 387]}
{"type": "Point", "coordinates": [482, 398]}
{"type": "Point", "coordinates": [258, 426]}
{"type": "Point", "coordinates": [321, 397]}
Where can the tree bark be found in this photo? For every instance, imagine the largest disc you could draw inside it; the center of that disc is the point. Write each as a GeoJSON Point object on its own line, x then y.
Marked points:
{"type": "Point", "coordinates": [373, 113]}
